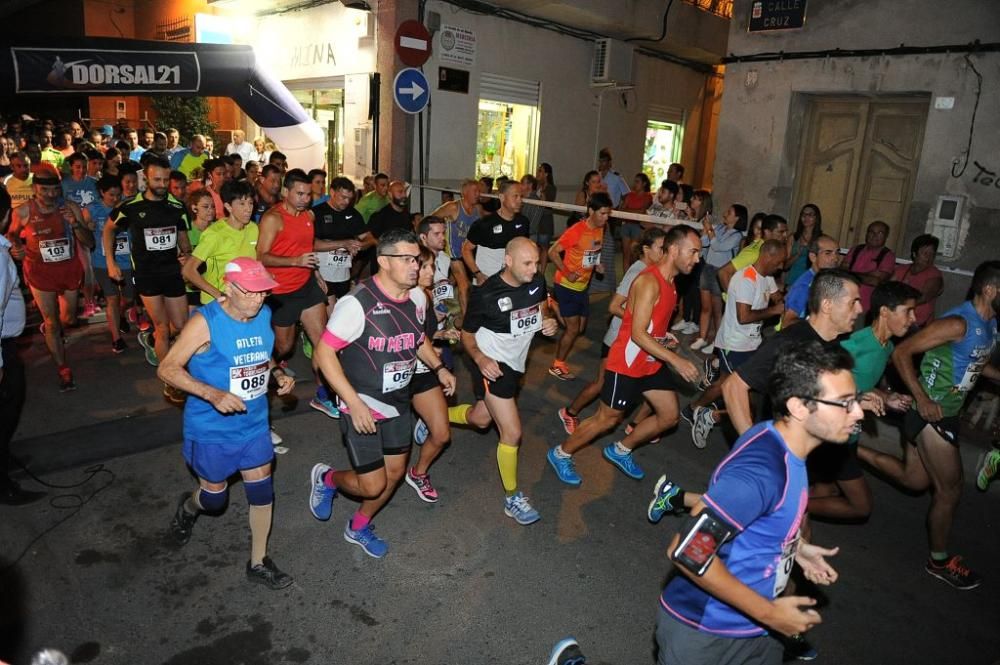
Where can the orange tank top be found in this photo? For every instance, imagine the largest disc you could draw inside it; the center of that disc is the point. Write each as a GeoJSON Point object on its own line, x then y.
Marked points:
{"type": "Point", "coordinates": [294, 239]}
{"type": "Point", "coordinates": [625, 356]}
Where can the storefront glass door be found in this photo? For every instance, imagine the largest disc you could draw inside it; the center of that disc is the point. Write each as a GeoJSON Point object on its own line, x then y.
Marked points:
{"type": "Point", "coordinates": [506, 139]}
{"type": "Point", "coordinates": [327, 108]}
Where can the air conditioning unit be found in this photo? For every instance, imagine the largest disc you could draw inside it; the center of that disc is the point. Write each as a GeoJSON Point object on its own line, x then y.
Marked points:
{"type": "Point", "coordinates": [612, 62]}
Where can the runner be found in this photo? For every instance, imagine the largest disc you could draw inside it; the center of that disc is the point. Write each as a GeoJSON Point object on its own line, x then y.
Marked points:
{"type": "Point", "coordinates": [268, 191]}
{"type": "Point", "coordinates": [119, 295]}
{"type": "Point", "coordinates": [956, 349]}
{"type": "Point", "coordinates": [201, 215]}
{"type": "Point", "coordinates": [504, 314]}
{"type": "Point", "coordinates": [47, 236]}
{"type": "Point", "coordinates": [638, 365]}
{"type": "Point", "coordinates": [387, 324]}
{"type": "Point", "coordinates": [157, 231]}
{"type": "Point", "coordinates": [285, 246]}
{"type": "Point", "coordinates": [577, 256]}
{"type": "Point", "coordinates": [459, 216]}
{"type": "Point", "coordinates": [736, 551]}
{"type": "Point", "coordinates": [340, 234]}
{"type": "Point", "coordinates": [484, 249]}
{"type": "Point", "coordinates": [222, 359]}
{"type": "Point", "coordinates": [650, 253]}
{"type": "Point", "coordinates": [431, 431]}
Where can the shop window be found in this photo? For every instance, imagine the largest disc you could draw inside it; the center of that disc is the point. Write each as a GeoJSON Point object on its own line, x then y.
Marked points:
{"type": "Point", "coordinates": [326, 107]}
{"type": "Point", "coordinates": [663, 147]}
{"type": "Point", "coordinates": [506, 140]}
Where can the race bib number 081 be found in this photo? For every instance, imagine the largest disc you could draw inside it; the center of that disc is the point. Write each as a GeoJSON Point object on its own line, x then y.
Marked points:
{"type": "Point", "coordinates": [158, 240]}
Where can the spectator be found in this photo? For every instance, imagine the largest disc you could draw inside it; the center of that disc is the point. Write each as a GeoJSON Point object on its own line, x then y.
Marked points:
{"type": "Point", "coordinates": [922, 275]}
{"type": "Point", "coordinates": [239, 145]}
{"type": "Point", "coordinates": [872, 262]}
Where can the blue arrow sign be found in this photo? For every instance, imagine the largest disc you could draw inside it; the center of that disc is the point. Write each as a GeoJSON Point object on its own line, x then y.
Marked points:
{"type": "Point", "coordinates": [411, 90]}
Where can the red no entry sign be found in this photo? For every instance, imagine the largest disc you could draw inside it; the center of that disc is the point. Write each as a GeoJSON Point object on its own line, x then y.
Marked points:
{"type": "Point", "coordinates": [413, 43]}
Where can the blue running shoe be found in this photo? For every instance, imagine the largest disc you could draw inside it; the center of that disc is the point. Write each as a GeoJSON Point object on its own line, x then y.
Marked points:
{"type": "Point", "coordinates": [564, 467]}
{"type": "Point", "coordinates": [517, 506]}
{"type": "Point", "coordinates": [566, 652]}
{"type": "Point", "coordinates": [420, 432]}
{"type": "Point", "coordinates": [367, 540]}
{"type": "Point", "coordinates": [321, 497]}
{"type": "Point", "coordinates": [623, 462]}
{"type": "Point", "coordinates": [325, 406]}
{"type": "Point", "coordinates": [663, 495]}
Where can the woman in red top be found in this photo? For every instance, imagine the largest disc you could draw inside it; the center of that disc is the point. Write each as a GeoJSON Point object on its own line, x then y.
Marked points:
{"type": "Point", "coordinates": [922, 275]}
{"type": "Point", "coordinates": [639, 200]}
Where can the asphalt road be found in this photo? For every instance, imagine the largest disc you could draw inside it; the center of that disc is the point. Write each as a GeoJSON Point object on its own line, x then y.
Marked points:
{"type": "Point", "coordinates": [462, 582]}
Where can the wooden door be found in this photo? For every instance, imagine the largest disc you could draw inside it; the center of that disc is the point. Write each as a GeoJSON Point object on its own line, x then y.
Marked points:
{"type": "Point", "coordinates": [858, 163]}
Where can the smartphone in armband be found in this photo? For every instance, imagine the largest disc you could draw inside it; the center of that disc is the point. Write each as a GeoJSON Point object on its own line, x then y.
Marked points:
{"type": "Point", "coordinates": [704, 536]}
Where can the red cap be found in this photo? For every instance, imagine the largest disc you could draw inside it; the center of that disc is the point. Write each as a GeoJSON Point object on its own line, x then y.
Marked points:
{"type": "Point", "coordinates": [45, 174]}
{"type": "Point", "coordinates": [249, 275]}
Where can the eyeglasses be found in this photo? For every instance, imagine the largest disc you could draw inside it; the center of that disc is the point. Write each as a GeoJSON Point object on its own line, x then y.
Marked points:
{"type": "Point", "coordinates": [846, 404]}
{"type": "Point", "coordinates": [409, 258]}
{"type": "Point", "coordinates": [249, 294]}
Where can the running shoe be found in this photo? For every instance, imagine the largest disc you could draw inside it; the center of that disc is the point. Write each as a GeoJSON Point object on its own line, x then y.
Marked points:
{"type": "Point", "coordinates": [422, 484]}
{"type": "Point", "coordinates": [954, 572]}
{"type": "Point", "coordinates": [697, 344]}
{"type": "Point", "coordinates": [320, 497]}
{"type": "Point", "coordinates": [147, 342]}
{"type": "Point", "coordinates": [564, 467]}
{"type": "Point", "coordinates": [569, 422]}
{"type": "Point", "coordinates": [663, 496]}
{"type": "Point", "coordinates": [123, 326]}
{"type": "Point", "coordinates": [183, 522]}
{"type": "Point", "coordinates": [562, 373]}
{"type": "Point", "coordinates": [89, 310]}
{"type": "Point", "coordinates": [566, 652]}
{"type": "Point", "coordinates": [630, 427]}
{"type": "Point", "coordinates": [367, 540]}
{"type": "Point", "coordinates": [986, 468]}
{"type": "Point", "coordinates": [66, 380]}
{"type": "Point", "coordinates": [174, 395]}
{"type": "Point", "coordinates": [797, 648]}
{"type": "Point", "coordinates": [708, 349]}
{"type": "Point", "coordinates": [710, 373]}
{"type": "Point", "coordinates": [325, 406]}
{"type": "Point", "coordinates": [307, 347]}
{"type": "Point", "coordinates": [690, 328]}
{"type": "Point", "coordinates": [420, 432]}
{"type": "Point", "coordinates": [680, 326]}
{"type": "Point", "coordinates": [276, 439]}
{"type": "Point", "coordinates": [118, 346]}
{"type": "Point", "coordinates": [687, 415]}
{"type": "Point", "coordinates": [702, 427]}
{"type": "Point", "coordinates": [144, 324]}
{"type": "Point", "coordinates": [267, 573]}
{"type": "Point", "coordinates": [518, 508]}
{"type": "Point", "coordinates": [625, 463]}
{"type": "Point", "coordinates": [131, 316]}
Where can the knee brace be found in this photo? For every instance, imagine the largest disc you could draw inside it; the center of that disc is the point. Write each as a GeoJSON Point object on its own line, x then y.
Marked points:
{"type": "Point", "coordinates": [259, 492]}
{"type": "Point", "coordinates": [213, 502]}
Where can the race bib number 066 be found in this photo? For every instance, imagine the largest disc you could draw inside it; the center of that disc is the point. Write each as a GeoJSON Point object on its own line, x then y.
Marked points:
{"type": "Point", "coordinates": [526, 321]}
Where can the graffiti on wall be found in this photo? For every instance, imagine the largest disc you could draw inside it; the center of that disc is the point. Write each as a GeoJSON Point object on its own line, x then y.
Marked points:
{"type": "Point", "coordinates": [985, 177]}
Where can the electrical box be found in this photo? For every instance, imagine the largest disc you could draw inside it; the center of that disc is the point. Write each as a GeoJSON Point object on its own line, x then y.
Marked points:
{"type": "Point", "coordinates": [947, 222]}
{"type": "Point", "coordinates": [612, 62]}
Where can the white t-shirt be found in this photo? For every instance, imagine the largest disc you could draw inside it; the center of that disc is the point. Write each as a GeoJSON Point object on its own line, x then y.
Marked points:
{"type": "Point", "coordinates": [750, 287]}
{"type": "Point", "coordinates": [616, 321]}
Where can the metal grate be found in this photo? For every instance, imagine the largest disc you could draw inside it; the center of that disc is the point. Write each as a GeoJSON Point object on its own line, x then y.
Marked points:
{"type": "Point", "coordinates": [176, 30]}
{"type": "Point", "coordinates": [723, 8]}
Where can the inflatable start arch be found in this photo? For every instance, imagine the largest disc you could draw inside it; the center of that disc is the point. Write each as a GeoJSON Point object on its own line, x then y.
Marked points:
{"type": "Point", "coordinates": [104, 66]}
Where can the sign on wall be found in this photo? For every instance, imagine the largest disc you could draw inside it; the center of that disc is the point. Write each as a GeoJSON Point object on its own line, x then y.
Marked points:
{"type": "Point", "coordinates": [776, 15]}
{"type": "Point", "coordinates": [329, 40]}
{"type": "Point", "coordinates": [458, 46]}
{"type": "Point", "coordinates": [63, 70]}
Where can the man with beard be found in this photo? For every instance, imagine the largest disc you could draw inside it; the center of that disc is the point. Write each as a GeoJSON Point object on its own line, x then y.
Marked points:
{"type": "Point", "coordinates": [268, 191]}
{"type": "Point", "coordinates": [956, 350]}
{"type": "Point", "coordinates": [367, 354]}
{"type": "Point", "coordinates": [639, 365]}
{"type": "Point", "coordinates": [393, 216]}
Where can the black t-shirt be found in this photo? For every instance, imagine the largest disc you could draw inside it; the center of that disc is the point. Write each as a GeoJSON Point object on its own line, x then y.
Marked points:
{"type": "Point", "coordinates": [505, 318]}
{"type": "Point", "coordinates": [331, 224]}
{"type": "Point", "coordinates": [389, 218]}
{"type": "Point", "coordinates": [153, 228]}
{"type": "Point", "coordinates": [490, 235]}
{"type": "Point", "coordinates": [756, 371]}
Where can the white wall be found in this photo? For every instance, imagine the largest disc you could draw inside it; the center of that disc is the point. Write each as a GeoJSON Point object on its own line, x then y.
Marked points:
{"type": "Point", "coordinates": [569, 135]}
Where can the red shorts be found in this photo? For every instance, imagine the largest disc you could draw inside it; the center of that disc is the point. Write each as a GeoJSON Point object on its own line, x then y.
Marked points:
{"type": "Point", "coordinates": [54, 277]}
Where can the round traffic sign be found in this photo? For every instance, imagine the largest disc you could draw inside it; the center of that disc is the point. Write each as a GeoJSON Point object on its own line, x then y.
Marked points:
{"type": "Point", "coordinates": [413, 43]}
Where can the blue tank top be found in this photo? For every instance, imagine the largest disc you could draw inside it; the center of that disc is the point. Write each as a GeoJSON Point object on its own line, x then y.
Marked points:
{"type": "Point", "coordinates": [458, 229]}
{"type": "Point", "coordinates": [123, 256]}
{"type": "Point", "coordinates": [236, 361]}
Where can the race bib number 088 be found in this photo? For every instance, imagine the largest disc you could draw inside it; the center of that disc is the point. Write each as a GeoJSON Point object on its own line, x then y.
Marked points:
{"type": "Point", "coordinates": [248, 381]}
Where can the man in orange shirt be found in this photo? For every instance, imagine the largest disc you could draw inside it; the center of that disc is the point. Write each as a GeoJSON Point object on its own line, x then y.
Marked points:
{"type": "Point", "coordinates": [576, 255]}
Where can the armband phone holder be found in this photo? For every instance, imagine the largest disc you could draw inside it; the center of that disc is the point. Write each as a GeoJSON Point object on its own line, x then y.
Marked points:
{"type": "Point", "coordinates": [702, 537]}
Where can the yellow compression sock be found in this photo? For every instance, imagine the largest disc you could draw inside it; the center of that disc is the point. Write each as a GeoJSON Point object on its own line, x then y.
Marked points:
{"type": "Point", "coordinates": [507, 461]}
{"type": "Point", "coordinates": [458, 415]}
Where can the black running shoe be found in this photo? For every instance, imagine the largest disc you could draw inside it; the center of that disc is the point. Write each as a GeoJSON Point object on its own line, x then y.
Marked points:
{"type": "Point", "coordinates": [268, 574]}
{"type": "Point", "coordinates": [183, 522]}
